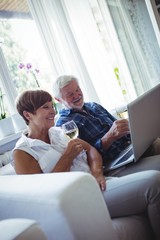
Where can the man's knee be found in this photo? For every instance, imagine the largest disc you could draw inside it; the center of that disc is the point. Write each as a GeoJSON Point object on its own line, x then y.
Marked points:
{"type": "Point", "coordinates": [156, 146]}
{"type": "Point", "coordinates": [154, 149]}
{"type": "Point", "coordinates": [153, 177]}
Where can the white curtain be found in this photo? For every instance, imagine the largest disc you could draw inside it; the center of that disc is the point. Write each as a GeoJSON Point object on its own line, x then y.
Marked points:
{"type": "Point", "coordinates": [138, 40]}
{"type": "Point", "coordinates": [153, 7]}
{"type": "Point", "coordinates": [60, 44]}
{"type": "Point", "coordinates": [114, 51]}
{"type": "Point", "coordinates": [7, 84]}
{"type": "Point", "coordinates": [75, 46]}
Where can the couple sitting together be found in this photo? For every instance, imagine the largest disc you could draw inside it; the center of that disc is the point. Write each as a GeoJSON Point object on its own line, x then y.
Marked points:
{"type": "Point", "coordinates": [44, 148]}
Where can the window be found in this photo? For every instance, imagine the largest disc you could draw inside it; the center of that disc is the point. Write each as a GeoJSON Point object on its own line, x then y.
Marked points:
{"type": "Point", "coordinates": [83, 48]}
{"type": "Point", "coordinates": [138, 40]}
{"type": "Point", "coordinates": [22, 56]}
{"type": "Point", "coordinates": [112, 49]}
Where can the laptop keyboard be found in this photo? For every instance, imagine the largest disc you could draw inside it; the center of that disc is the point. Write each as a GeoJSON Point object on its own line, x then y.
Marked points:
{"type": "Point", "coordinates": [125, 156]}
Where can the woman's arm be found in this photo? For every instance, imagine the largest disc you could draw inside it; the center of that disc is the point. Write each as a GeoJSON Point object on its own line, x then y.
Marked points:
{"type": "Point", "coordinates": [25, 163]}
{"type": "Point", "coordinates": [74, 147]}
{"type": "Point", "coordinates": [96, 163]}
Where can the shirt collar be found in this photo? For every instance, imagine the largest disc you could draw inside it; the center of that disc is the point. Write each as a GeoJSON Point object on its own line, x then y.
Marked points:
{"type": "Point", "coordinates": [69, 111]}
{"type": "Point", "coordinates": [66, 112]}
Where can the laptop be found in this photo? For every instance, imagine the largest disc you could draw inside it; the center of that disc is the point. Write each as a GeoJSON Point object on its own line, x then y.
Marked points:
{"type": "Point", "coordinates": [144, 123]}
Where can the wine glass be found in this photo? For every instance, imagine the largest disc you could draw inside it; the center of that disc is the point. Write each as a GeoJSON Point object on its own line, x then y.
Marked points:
{"type": "Point", "coordinates": [70, 129]}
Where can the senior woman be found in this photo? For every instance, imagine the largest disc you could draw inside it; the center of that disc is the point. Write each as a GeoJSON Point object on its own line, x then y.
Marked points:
{"type": "Point", "coordinates": [43, 148]}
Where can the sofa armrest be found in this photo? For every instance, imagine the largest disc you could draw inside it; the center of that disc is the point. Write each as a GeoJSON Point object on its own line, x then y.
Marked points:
{"type": "Point", "coordinates": [66, 205]}
{"type": "Point", "coordinates": [20, 229]}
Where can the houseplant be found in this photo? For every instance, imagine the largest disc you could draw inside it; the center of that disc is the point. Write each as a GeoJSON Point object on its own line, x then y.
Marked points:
{"type": "Point", "coordinates": [2, 108]}
{"type": "Point", "coordinates": [28, 68]}
{"type": "Point", "coordinates": [121, 110]}
{"type": "Point", "coordinates": [6, 124]}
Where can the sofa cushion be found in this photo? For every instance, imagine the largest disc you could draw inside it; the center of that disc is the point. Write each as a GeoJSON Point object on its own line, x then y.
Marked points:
{"type": "Point", "coordinates": [8, 169]}
{"type": "Point", "coordinates": [5, 158]}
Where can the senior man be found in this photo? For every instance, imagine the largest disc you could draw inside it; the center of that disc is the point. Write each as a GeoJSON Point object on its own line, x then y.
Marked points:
{"type": "Point", "coordinates": [98, 127]}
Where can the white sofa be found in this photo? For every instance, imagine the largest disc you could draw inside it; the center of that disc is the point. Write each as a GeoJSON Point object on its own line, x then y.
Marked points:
{"type": "Point", "coordinates": [20, 229]}
{"type": "Point", "coordinates": [67, 206]}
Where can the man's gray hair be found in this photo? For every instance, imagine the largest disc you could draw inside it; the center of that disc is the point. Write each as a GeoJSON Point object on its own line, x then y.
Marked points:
{"type": "Point", "coordinates": [61, 82]}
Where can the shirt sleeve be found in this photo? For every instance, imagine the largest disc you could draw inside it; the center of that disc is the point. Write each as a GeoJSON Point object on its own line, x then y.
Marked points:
{"type": "Point", "coordinates": [98, 145]}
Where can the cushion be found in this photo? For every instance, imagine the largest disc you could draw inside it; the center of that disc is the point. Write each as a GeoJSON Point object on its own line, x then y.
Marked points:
{"type": "Point", "coordinates": [8, 169]}
{"type": "Point", "coordinates": [5, 158]}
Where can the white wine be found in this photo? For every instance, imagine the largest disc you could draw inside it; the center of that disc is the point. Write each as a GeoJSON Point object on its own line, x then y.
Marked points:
{"type": "Point", "coordinates": [70, 129]}
{"type": "Point", "coordinates": [73, 133]}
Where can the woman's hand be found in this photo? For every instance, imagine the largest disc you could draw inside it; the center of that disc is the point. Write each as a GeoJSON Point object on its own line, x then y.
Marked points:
{"type": "Point", "coordinates": [74, 148]}
{"type": "Point", "coordinates": [95, 163]}
{"type": "Point", "coordinates": [101, 181]}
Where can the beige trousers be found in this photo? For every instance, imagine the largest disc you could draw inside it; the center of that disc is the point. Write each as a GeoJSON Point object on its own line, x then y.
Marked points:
{"type": "Point", "coordinates": [135, 194]}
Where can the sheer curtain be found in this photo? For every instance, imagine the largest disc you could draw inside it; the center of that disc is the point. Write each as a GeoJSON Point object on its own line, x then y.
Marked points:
{"type": "Point", "coordinates": [138, 40]}
{"type": "Point", "coordinates": [96, 46]}
{"type": "Point", "coordinates": [155, 16]}
{"type": "Point", "coordinates": [90, 38]}
{"type": "Point", "coordinates": [7, 84]}
{"type": "Point", "coordinates": [64, 55]}
{"type": "Point", "coordinates": [74, 45]}
{"type": "Point", "coordinates": [113, 50]}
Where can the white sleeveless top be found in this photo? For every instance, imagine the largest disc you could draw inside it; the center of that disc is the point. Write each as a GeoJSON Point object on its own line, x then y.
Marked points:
{"type": "Point", "coordinates": [48, 155]}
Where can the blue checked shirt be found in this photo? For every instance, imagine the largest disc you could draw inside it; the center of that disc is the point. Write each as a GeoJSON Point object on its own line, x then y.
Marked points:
{"type": "Point", "coordinates": [93, 122]}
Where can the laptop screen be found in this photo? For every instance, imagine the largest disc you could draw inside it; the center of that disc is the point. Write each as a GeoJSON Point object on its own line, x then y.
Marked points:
{"type": "Point", "coordinates": [144, 120]}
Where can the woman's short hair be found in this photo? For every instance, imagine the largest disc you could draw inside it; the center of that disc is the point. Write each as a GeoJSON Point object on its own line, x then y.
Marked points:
{"type": "Point", "coordinates": [31, 100]}
{"type": "Point", "coordinates": [61, 82]}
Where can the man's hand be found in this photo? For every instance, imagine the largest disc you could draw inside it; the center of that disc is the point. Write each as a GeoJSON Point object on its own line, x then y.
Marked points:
{"type": "Point", "coordinates": [119, 129]}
